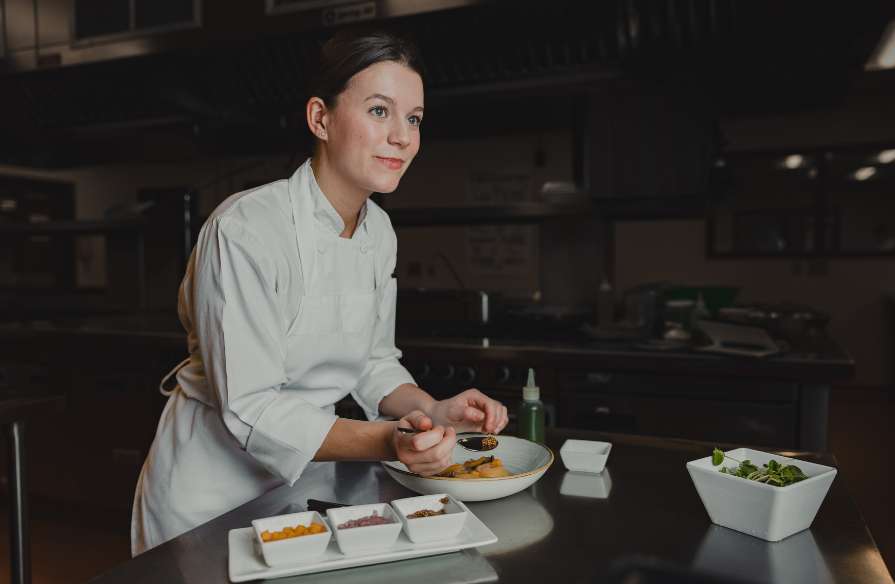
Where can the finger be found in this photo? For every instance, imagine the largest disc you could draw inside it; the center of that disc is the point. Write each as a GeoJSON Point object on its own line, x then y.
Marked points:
{"type": "Point", "coordinates": [426, 440]}
{"type": "Point", "coordinates": [473, 414]}
{"type": "Point", "coordinates": [506, 418]}
{"type": "Point", "coordinates": [418, 420]}
{"type": "Point", "coordinates": [440, 455]}
{"type": "Point", "coordinates": [487, 405]}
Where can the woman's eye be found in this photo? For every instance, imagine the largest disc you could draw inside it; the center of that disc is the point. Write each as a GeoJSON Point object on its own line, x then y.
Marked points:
{"type": "Point", "coordinates": [378, 111]}
{"type": "Point", "coordinates": [415, 120]}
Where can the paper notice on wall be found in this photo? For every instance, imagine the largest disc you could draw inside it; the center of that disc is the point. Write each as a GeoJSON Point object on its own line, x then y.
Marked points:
{"type": "Point", "coordinates": [502, 257]}
{"type": "Point", "coordinates": [504, 251]}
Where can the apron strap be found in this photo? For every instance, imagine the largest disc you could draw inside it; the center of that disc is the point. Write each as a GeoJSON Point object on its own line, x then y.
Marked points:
{"type": "Point", "coordinates": [172, 373]}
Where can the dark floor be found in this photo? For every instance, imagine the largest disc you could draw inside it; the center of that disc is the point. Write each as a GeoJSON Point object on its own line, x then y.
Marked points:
{"type": "Point", "coordinates": [73, 545]}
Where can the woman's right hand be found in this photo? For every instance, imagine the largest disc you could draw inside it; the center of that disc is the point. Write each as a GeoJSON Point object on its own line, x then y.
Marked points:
{"type": "Point", "coordinates": [428, 452]}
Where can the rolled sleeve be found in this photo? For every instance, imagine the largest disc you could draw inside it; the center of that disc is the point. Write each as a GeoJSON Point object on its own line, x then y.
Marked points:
{"type": "Point", "coordinates": [242, 341]}
{"type": "Point", "coordinates": [383, 372]}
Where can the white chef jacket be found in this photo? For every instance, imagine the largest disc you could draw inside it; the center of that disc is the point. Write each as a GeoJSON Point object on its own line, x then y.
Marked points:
{"type": "Point", "coordinates": [284, 318]}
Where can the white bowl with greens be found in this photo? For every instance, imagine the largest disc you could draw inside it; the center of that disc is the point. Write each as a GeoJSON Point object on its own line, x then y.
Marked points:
{"type": "Point", "coordinates": [761, 494]}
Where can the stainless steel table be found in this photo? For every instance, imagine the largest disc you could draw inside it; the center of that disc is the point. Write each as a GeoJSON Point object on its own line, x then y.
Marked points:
{"type": "Point", "coordinates": [567, 527]}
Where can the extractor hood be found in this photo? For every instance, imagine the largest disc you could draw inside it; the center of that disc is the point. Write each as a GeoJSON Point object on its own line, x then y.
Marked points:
{"type": "Point", "coordinates": [204, 91]}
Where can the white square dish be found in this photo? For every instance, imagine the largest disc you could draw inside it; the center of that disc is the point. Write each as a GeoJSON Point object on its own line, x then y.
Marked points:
{"type": "Point", "coordinates": [245, 564]}
{"type": "Point", "coordinates": [368, 538]}
{"type": "Point", "coordinates": [585, 455]}
{"type": "Point", "coordinates": [436, 527]}
{"type": "Point", "coordinates": [292, 549]}
{"type": "Point", "coordinates": [764, 511]}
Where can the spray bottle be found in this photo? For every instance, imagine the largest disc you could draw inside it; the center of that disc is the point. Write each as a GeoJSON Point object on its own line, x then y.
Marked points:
{"type": "Point", "coordinates": [531, 411]}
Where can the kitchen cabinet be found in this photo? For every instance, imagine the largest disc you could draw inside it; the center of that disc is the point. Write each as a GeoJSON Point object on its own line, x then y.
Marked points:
{"type": "Point", "coordinates": [761, 413]}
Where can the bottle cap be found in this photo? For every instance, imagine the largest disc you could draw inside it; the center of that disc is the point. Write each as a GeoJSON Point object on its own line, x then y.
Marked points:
{"type": "Point", "coordinates": [531, 392]}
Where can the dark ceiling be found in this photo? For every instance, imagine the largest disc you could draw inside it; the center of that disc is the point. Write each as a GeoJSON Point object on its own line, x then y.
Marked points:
{"type": "Point", "coordinates": [241, 97]}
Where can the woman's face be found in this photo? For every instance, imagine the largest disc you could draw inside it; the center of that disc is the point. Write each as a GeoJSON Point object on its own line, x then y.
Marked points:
{"type": "Point", "coordinates": [373, 130]}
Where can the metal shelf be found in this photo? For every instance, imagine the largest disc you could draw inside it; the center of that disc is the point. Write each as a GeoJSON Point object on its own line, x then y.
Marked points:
{"type": "Point", "coordinates": [521, 213]}
{"type": "Point", "coordinates": [71, 227]}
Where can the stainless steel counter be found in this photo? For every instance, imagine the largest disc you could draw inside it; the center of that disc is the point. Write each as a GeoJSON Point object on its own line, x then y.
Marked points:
{"type": "Point", "coordinates": [567, 526]}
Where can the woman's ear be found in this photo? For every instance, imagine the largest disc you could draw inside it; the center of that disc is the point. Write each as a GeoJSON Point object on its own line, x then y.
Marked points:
{"type": "Point", "coordinates": [316, 113]}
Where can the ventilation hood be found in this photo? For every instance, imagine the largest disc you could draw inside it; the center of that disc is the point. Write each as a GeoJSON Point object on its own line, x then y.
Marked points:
{"type": "Point", "coordinates": [206, 91]}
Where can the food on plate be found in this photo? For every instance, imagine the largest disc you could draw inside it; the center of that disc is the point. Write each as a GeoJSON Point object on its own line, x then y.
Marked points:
{"type": "Point", "coordinates": [430, 512]}
{"type": "Point", "coordinates": [288, 531]}
{"type": "Point", "coordinates": [374, 519]}
{"type": "Point", "coordinates": [485, 467]}
{"type": "Point", "coordinates": [772, 473]}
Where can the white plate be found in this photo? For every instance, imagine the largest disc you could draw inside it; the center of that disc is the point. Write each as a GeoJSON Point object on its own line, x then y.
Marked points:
{"type": "Point", "coordinates": [246, 564]}
{"type": "Point", "coordinates": [527, 461]}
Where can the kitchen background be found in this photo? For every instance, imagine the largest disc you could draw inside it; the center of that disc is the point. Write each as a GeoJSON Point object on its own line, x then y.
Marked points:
{"type": "Point", "coordinates": [566, 146]}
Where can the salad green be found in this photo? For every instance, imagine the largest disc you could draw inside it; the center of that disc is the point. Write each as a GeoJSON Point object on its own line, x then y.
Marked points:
{"type": "Point", "coordinates": [772, 473]}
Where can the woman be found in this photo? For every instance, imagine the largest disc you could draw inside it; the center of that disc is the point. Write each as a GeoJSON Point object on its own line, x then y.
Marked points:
{"type": "Point", "coordinates": [289, 305]}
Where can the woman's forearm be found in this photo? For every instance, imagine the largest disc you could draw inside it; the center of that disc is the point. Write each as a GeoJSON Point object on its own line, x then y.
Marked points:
{"type": "Point", "coordinates": [358, 440]}
{"type": "Point", "coordinates": [404, 399]}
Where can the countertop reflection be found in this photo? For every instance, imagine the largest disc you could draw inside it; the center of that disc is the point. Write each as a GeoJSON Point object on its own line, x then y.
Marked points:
{"type": "Point", "coordinates": [565, 526]}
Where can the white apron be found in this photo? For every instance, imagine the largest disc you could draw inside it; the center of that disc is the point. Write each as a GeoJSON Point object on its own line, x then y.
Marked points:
{"type": "Point", "coordinates": [197, 467]}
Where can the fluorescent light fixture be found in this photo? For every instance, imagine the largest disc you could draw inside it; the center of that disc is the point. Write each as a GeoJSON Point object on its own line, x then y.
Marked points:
{"type": "Point", "coordinates": [883, 56]}
{"type": "Point", "coordinates": [886, 156]}
{"type": "Point", "coordinates": [864, 173]}
{"type": "Point", "coordinates": [794, 161]}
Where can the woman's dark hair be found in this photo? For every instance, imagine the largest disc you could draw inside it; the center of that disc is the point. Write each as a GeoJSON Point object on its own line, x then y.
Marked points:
{"type": "Point", "coordinates": [350, 52]}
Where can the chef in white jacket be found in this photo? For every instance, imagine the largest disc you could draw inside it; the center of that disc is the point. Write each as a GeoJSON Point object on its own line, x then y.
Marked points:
{"type": "Point", "coordinates": [289, 305]}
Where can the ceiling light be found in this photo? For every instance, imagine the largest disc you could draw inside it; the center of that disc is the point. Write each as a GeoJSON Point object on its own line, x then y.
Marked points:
{"type": "Point", "coordinates": [793, 161]}
{"type": "Point", "coordinates": [883, 56]}
{"type": "Point", "coordinates": [864, 173]}
{"type": "Point", "coordinates": [886, 156]}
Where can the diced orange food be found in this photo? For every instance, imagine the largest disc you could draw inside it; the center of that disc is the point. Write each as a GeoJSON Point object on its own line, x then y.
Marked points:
{"type": "Point", "coordinates": [290, 531]}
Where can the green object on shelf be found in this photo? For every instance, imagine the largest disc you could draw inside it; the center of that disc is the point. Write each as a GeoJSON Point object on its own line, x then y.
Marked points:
{"type": "Point", "coordinates": [715, 297]}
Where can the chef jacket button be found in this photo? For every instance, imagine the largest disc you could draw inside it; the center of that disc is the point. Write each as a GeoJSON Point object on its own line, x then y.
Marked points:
{"type": "Point", "coordinates": [364, 248]}
{"type": "Point", "coordinates": [321, 248]}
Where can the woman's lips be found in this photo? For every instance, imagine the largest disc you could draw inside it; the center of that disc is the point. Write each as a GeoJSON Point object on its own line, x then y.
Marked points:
{"type": "Point", "coordinates": [391, 163]}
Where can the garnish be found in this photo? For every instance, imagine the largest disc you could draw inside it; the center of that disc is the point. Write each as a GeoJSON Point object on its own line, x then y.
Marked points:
{"type": "Point", "coordinates": [772, 473]}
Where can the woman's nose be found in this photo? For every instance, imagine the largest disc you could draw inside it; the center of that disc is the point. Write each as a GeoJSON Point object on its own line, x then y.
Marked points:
{"type": "Point", "coordinates": [399, 135]}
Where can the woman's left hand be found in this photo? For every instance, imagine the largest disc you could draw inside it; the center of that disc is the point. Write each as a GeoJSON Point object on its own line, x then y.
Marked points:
{"type": "Point", "coordinates": [470, 411]}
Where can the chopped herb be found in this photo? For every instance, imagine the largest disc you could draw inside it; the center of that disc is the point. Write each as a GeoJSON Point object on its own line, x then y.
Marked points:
{"type": "Point", "coordinates": [772, 473]}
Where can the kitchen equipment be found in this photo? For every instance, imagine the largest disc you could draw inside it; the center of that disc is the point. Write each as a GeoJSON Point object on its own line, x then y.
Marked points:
{"type": "Point", "coordinates": [735, 339]}
{"type": "Point", "coordinates": [526, 461]}
{"type": "Point", "coordinates": [782, 320]}
{"type": "Point", "coordinates": [423, 305]}
{"type": "Point", "coordinates": [644, 309]}
{"type": "Point", "coordinates": [477, 443]}
{"type": "Point", "coordinates": [758, 509]}
{"type": "Point", "coordinates": [715, 296]}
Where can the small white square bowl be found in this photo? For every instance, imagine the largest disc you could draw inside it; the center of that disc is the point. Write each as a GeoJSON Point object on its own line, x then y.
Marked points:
{"type": "Point", "coordinates": [585, 455]}
{"type": "Point", "coordinates": [764, 511]}
{"type": "Point", "coordinates": [425, 529]}
{"type": "Point", "coordinates": [366, 539]}
{"type": "Point", "coordinates": [292, 549]}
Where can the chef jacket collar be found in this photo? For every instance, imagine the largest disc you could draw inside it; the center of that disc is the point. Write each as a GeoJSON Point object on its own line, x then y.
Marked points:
{"type": "Point", "coordinates": [327, 215]}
